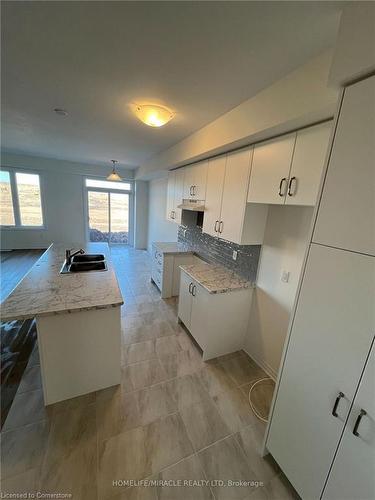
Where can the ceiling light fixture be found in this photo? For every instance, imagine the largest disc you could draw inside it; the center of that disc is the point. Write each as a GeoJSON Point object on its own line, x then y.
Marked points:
{"type": "Point", "coordinates": [114, 176]}
{"type": "Point", "coordinates": [153, 115]}
{"type": "Point", "coordinates": [60, 111]}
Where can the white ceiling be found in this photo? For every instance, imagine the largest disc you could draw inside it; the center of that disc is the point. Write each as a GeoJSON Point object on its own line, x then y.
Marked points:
{"type": "Point", "coordinates": [96, 58]}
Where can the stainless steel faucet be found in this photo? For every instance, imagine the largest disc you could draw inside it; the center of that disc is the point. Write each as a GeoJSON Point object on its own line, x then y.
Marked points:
{"type": "Point", "coordinates": [69, 255]}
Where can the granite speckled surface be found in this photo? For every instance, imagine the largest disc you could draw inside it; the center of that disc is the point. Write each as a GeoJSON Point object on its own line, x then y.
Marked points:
{"type": "Point", "coordinates": [44, 291]}
{"type": "Point", "coordinates": [172, 247]}
{"type": "Point", "coordinates": [216, 279]}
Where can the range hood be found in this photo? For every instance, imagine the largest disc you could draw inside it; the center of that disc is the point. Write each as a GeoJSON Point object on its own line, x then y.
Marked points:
{"type": "Point", "coordinates": [193, 205]}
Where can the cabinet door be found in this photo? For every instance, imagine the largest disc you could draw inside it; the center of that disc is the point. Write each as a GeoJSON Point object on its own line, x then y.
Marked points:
{"type": "Point", "coordinates": [185, 299]}
{"type": "Point", "coordinates": [200, 311]}
{"type": "Point", "coordinates": [188, 183]}
{"type": "Point", "coordinates": [236, 184]}
{"type": "Point", "coordinates": [170, 196]}
{"type": "Point", "coordinates": [346, 217]}
{"type": "Point", "coordinates": [352, 474]}
{"type": "Point", "coordinates": [199, 173]}
{"type": "Point", "coordinates": [178, 194]}
{"type": "Point", "coordinates": [307, 166]}
{"type": "Point", "coordinates": [214, 192]}
{"type": "Point", "coordinates": [270, 170]}
{"type": "Point", "coordinates": [331, 336]}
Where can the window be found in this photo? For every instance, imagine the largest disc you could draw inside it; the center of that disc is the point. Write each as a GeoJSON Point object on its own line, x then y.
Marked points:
{"type": "Point", "coordinates": [6, 201]}
{"type": "Point", "coordinates": [20, 202]}
{"type": "Point", "coordinates": [117, 186]}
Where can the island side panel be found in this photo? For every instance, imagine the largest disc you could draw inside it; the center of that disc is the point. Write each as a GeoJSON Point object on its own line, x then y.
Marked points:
{"type": "Point", "coordinates": [80, 352]}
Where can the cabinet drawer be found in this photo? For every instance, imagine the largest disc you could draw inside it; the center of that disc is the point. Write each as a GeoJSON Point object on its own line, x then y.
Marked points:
{"type": "Point", "coordinates": [157, 276]}
{"type": "Point", "coordinates": [157, 257]}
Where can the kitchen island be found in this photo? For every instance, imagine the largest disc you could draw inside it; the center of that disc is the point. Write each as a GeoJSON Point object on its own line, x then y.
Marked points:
{"type": "Point", "coordinates": [78, 322]}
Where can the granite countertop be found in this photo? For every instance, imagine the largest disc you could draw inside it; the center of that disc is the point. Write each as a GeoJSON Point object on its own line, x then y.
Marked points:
{"type": "Point", "coordinates": [44, 291]}
{"type": "Point", "coordinates": [172, 247]}
{"type": "Point", "coordinates": [216, 279]}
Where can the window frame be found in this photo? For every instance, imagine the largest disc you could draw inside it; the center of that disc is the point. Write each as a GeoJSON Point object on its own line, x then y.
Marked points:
{"type": "Point", "coordinates": [130, 192]}
{"type": "Point", "coordinates": [15, 201]}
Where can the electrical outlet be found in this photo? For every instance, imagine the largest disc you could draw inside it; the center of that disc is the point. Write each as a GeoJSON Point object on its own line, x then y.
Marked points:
{"type": "Point", "coordinates": [234, 255]}
{"type": "Point", "coordinates": [285, 276]}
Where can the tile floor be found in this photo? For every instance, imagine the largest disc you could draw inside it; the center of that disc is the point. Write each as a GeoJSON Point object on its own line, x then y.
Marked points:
{"type": "Point", "coordinates": [173, 418]}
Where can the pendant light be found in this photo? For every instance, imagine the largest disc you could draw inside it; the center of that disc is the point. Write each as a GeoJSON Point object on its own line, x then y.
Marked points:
{"type": "Point", "coordinates": [114, 176]}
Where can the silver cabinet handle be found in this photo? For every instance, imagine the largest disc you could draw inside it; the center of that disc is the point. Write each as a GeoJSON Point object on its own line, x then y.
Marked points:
{"type": "Point", "coordinates": [191, 190]}
{"type": "Point", "coordinates": [290, 192]}
{"type": "Point", "coordinates": [281, 193]}
{"type": "Point", "coordinates": [190, 285]}
{"type": "Point", "coordinates": [193, 290]}
{"type": "Point", "coordinates": [194, 191]}
{"type": "Point", "coordinates": [221, 224]}
{"type": "Point", "coordinates": [215, 228]}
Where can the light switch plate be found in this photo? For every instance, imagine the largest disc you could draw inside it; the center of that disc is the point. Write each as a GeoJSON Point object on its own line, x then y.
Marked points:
{"type": "Point", "coordinates": [234, 255]}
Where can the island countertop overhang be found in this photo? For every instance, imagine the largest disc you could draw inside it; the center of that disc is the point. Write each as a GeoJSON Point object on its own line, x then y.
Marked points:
{"type": "Point", "coordinates": [44, 291]}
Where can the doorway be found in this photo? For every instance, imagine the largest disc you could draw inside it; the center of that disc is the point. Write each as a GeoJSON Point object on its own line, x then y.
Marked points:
{"type": "Point", "coordinates": [109, 211]}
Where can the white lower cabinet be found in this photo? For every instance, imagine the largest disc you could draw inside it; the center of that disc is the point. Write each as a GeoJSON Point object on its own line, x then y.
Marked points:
{"type": "Point", "coordinates": [331, 336]}
{"type": "Point", "coordinates": [217, 321]}
{"type": "Point", "coordinates": [353, 472]}
{"type": "Point", "coordinates": [185, 300]}
{"type": "Point", "coordinates": [165, 270]}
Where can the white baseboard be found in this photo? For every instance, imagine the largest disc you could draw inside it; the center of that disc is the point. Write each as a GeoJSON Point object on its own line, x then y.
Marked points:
{"type": "Point", "coordinates": [270, 371]}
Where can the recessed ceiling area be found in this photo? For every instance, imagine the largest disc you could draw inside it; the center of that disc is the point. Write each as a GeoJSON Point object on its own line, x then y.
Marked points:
{"type": "Point", "coordinates": [97, 59]}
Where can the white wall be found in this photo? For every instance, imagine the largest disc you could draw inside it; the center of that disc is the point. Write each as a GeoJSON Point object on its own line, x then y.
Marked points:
{"type": "Point", "coordinates": [141, 215]}
{"type": "Point", "coordinates": [62, 191]}
{"type": "Point", "coordinates": [159, 229]}
{"type": "Point", "coordinates": [285, 243]}
{"type": "Point", "coordinates": [299, 99]}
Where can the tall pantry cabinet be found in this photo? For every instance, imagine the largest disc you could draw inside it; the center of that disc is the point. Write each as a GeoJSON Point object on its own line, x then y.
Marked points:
{"type": "Point", "coordinates": [322, 424]}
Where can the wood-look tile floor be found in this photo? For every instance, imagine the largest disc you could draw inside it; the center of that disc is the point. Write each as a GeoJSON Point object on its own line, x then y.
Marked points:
{"type": "Point", "coordinates": [174, 418]}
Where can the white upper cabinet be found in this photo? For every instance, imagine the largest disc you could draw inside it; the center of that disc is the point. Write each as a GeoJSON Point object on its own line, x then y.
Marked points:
{"type": "Point", "coordinates": [170, 196]}
{"type": "Point", "coordinates": [214, 195]}
{"type": "Point", "coordinates": [346, 217]}
{"type": "Point", "coordinates": [178, 194]}
{"type": "Point", "coordinates": [226, 213]}
{"type": "Point", "coordinates": [195, 181]}
{"type": "Point", "coordinates": [287, 170]}
{"type": "Point", "coordinates": [174, 195]}
{"type": "Point", "coordinates": [307, 165]}
{"type": "Point", "coordinates": [270, 170]}
{"type": "Point", "coordinates": [233, 205]}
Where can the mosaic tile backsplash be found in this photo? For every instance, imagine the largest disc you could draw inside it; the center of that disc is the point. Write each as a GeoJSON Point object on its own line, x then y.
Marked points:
{"type": "Point", "coordinates": [216, 251]}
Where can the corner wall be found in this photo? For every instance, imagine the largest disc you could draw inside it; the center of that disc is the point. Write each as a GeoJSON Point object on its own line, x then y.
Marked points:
{"type": "Point", "coordinates": [284, 247]}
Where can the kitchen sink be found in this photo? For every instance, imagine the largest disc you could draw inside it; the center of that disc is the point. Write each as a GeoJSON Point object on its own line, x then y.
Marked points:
{"type": "Point", "coordinates": [83, 267]}
{"type": "Point", "coordinates": [88, 257]}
